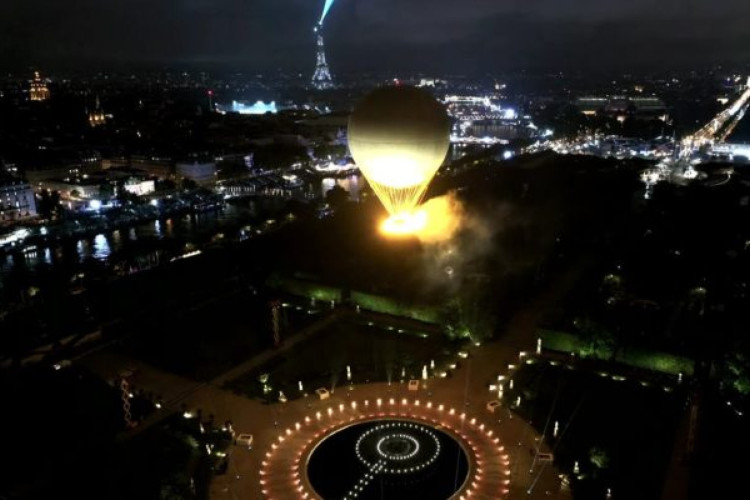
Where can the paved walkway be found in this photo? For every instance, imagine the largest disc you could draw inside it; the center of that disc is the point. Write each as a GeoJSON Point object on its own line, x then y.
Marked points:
{"type": "Point", "coordinates": [677, 481]}
{"type": "Point", "coordinates": [264, 357]}
{"type": "Point", "coordinates": [176, 390]}
{"type": "Point", "coordinates": [466, 389]}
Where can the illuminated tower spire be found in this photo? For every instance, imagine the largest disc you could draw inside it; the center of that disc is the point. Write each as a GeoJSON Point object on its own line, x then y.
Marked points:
{"type": "Point", "coordinates": [38, 89]}
{"type": "Point", "coordinates": [97, 117]}
{"type": "Point", "coordinates": [322, 77]}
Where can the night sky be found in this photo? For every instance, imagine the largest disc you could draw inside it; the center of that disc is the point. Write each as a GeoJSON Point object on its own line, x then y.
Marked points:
{"type": "Point", "coordinates": [473, 36]}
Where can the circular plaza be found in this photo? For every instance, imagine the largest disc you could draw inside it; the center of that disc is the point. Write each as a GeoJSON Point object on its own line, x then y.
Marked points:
{"type": "Point", "coordinates": [386, 448]}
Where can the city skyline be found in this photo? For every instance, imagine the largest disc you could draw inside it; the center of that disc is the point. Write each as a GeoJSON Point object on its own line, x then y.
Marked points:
{"type": "Point", "coordinates": [475, 36]}
{"type": "Point", "coordinates": [368, 249]}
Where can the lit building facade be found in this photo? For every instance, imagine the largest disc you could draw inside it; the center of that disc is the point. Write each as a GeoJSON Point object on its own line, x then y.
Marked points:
{"type": "Point", "coordinates": [472, 108]}
{"type": "Point", "coordinates": [201, 172]}
{"type": "Point", "coordinates": [139, 187]}
{"type": "Point", "coordinates": [69, 164]}
{"type": "Point", "coordinates": [156, 166]}
{"type": "Point", "coordinates": [621, 106]}
{"type": "Point", "coordinates": [16, 200]}
{"type": "Point", "coordinates": [77, 188]}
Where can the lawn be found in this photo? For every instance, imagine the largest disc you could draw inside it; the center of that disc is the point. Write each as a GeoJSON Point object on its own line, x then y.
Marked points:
{"type": "Point", "coordinates": [205, 341]}
{"type": "Point", "coordinates": [644, 359]}
{"type": "Point", "coordinates": [375, 352]}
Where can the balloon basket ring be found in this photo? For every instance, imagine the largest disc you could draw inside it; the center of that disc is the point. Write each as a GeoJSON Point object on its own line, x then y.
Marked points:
{"type": "Point", "coordinates": [404, 223]}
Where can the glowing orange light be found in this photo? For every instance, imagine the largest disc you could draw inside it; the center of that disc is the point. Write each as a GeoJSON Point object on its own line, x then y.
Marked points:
{"type": "Point", "coordinates": [404, 223]}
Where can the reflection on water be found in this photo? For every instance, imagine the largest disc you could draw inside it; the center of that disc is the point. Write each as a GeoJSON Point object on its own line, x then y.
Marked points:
{"type": "Point", "coordinates": [81, 249]}
{"type": "Point", "coordinates": [101, 247]}
{"type": "Point", "coordinates": [353, 184]}
{"type": "Point", "coordinates": [233, 221]}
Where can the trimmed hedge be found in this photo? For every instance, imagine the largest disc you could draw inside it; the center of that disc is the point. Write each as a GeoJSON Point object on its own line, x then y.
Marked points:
{"type": "Point", "coordinates": [663, 362]}
{"type": "Point", "coordinates": [387, 305]}
{"type": "Point", "coordinates": [561, 341]}
{"type": "Point", "coordinates": [307, 289]}
{"type": "Point", "coordinates": [656, 361]}
{"type": "Point", "coordinates": [367, 301]}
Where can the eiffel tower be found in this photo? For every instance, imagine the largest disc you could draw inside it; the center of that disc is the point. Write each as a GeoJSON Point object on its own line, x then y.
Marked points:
{"type": "Point", "coordinates": [321, 79]}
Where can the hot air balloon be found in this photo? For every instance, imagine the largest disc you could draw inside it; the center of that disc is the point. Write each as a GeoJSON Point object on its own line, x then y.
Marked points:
{"type": "Point", "coordinates": [399, 137]}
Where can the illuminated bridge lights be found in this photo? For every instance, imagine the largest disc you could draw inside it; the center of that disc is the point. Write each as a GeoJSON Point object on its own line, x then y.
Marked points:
{"type": "Point", "coordinates": [711, 131]}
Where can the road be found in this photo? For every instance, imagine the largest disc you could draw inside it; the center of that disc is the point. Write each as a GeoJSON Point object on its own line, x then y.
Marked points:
{"type": "Point", "coordinates": [719, 127]}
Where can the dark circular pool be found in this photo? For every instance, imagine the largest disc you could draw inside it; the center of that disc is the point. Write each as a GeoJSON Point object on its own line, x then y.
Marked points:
{"type": "Point", "coordinates": [393, 459]}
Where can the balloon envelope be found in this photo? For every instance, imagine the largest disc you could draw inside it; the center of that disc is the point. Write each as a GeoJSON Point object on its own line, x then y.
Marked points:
{"type": "Point", "coordinates": [399, 137]}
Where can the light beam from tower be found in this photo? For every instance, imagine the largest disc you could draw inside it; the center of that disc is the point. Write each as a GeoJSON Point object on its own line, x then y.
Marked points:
{"type": "Point", "coordinates": [326, 8]}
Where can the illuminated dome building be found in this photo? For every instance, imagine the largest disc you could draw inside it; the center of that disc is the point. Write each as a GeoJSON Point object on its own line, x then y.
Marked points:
{"type": "Point", "coordinates": [38, 90]}
{"type": "Point", "coordinates": [244, 108]}
{"type": "Point", "coordinates": [97, 116]}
